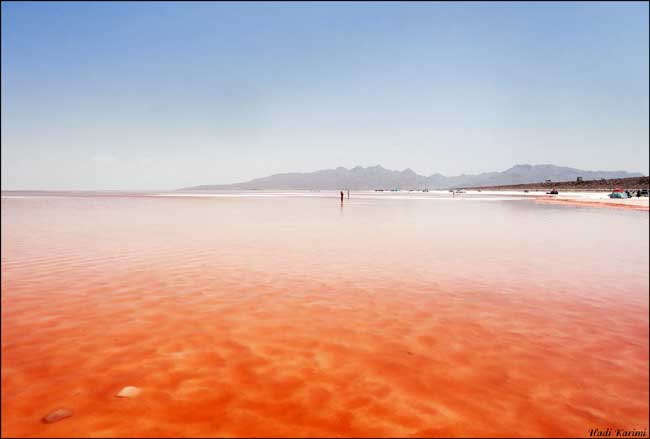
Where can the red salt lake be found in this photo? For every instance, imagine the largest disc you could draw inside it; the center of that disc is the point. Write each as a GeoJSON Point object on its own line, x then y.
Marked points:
{"type": "Point", "coordinates": [251, 314]}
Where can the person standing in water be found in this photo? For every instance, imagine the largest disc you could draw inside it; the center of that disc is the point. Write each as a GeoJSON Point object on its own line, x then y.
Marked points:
{"type": "Point", "coordinates": [348, 194]}
{"type": "Point", "coordinates": [341, 196]}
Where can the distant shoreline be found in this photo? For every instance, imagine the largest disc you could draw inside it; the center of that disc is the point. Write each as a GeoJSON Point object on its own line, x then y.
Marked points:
{"type": "Point", "coordinates": [633, 203]}
{"type": "Point", "coordinates": [631, 183]}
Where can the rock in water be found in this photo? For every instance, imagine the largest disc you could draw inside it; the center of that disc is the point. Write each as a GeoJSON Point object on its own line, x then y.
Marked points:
{"type": "Point", "coordinates": [57, 415]}
{"type": "Point", "coordinates": [128, 392]}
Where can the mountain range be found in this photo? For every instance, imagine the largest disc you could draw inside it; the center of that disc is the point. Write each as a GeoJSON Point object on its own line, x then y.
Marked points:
{"type": "Point", "coordinates": [377, 177]}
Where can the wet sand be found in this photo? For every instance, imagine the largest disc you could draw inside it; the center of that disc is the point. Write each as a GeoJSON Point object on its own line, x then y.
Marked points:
{"type": "Point", "coordinates": [627, 203]}
{"type": "Point", "coordinates": [288, 316]}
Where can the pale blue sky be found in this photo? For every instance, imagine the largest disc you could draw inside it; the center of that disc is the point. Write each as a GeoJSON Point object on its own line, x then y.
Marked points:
{"type": "Point", "coordinates": [166, 95]}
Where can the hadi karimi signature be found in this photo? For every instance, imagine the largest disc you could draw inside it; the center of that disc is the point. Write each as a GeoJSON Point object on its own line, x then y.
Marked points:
{"type": "Point", "coordinates": [617, 432]}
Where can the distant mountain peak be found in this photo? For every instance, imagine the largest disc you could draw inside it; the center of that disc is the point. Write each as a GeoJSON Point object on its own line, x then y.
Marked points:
{"type": "Point", "coordinates": [377, 177]}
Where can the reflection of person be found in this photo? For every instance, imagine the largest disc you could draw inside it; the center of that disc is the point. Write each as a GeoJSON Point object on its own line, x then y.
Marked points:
{"type": "Point", "coordinates": [341, 196]}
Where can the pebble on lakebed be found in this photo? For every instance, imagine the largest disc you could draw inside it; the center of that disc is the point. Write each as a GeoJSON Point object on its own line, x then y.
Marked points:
{"type": "Point", "coordinates": [128, 392]}
{"type": "Point", "coordinates": [57, 415]}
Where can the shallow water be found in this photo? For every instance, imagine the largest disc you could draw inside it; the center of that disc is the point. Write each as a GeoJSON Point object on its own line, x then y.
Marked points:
{"type": "Point", "coordinates": [287, 314]}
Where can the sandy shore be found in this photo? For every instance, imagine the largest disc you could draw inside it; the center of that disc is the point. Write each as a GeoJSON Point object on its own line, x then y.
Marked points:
{"type": "Point", "coordinates": [642, 203]}
{"type": "Point", "coordinates": [583, 198]}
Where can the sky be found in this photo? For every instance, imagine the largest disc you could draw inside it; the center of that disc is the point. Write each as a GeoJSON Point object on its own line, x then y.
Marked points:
{"type": "Point", "coordinates": [142, 96]}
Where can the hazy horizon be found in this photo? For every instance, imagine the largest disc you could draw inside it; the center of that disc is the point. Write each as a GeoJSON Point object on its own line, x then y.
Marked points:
{"type": "Point", "coordinates": [154, 96]}
{"type": "Point", "coordinates": [302, 172]}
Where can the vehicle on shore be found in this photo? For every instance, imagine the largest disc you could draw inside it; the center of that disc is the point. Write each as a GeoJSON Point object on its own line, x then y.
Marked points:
{"type": "Point", "coordinates": [619, 193]}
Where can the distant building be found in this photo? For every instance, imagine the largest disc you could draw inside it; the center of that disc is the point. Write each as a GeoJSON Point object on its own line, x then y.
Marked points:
{"type": "Point", "coordinates": [579, 179]}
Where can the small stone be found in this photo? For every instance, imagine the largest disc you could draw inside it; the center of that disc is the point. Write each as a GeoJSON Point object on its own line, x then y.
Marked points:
{"type": "Point", "coordinates": [128, 392]}
{"type": "Point", "coordinates": [57, 415]}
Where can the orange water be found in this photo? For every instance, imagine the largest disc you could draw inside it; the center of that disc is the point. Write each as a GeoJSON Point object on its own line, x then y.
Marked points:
{"type": "Point", "coordinates": [294, 316]}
